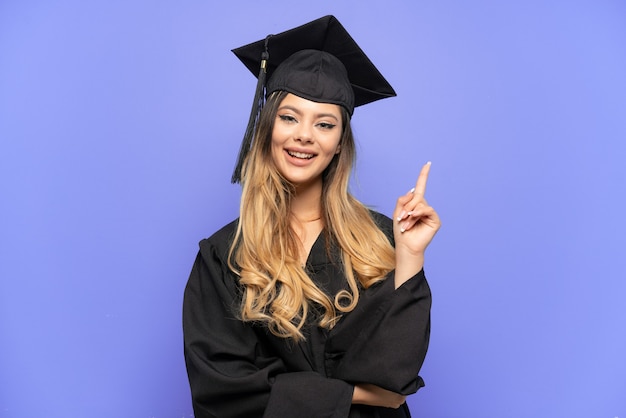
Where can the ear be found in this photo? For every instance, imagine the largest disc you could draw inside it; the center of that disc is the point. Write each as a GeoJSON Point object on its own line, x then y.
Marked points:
{"type": "Point", "coordinates": [338, 149]}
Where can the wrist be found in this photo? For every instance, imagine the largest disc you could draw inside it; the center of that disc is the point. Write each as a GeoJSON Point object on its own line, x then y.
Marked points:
{"type": "Point", "coordinates": [407, 267]}
{"type": "Point", "coordinates": [358, 395]}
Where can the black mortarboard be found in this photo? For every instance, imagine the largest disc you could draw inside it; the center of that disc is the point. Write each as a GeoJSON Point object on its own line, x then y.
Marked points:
{"type": "Point", "coordinates": [318, 61]}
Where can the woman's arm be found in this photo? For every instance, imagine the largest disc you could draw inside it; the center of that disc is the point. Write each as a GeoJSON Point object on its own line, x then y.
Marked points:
{"type": "Point", "coordinates": [384, 340]}
{"type": "Point", "coordinates": [368, 394]}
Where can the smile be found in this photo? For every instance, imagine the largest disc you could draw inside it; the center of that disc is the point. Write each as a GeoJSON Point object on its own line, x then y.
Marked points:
{"type": "Point", "coordinates": [300, 155]}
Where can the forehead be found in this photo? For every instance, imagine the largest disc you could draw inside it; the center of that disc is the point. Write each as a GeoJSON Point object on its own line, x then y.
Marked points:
{"type": "Point", "coordinates": [302, 105]}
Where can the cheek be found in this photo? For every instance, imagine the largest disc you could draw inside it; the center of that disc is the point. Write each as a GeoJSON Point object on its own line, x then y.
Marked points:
{"type": "Point", "coordinates": [337, 148]}
{"type": "Point", "coordinates": [279, 136]}
{"type": "Point", "coordinates": [275, 142]}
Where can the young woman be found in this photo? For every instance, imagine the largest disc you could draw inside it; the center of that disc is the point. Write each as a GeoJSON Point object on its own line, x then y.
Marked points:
{"type": "Point", "coordinates": [302, 307]}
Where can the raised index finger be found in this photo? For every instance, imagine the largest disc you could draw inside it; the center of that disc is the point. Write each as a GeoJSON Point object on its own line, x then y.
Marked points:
{"type": "Point", "coordinates": [420, 186]}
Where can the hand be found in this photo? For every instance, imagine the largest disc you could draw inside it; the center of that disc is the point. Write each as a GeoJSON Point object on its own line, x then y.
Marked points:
{"type": "Point", "coordinates": [415, 225]}
{"type": "Point", "coordinates": [368, 394]}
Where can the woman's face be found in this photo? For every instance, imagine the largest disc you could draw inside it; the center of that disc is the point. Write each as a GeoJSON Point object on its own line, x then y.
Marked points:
{"type": "Point", "coordinates": [305, 139]}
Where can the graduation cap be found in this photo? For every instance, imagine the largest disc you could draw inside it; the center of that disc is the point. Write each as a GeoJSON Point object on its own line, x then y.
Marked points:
{"type": "Point", "coordinates": [318, 61]}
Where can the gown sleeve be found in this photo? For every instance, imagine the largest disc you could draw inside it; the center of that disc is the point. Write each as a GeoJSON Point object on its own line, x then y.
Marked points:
{"type": "Point", "coordinates": [232, 373]}
{"type": "Point", "coordinates": [385, 339]}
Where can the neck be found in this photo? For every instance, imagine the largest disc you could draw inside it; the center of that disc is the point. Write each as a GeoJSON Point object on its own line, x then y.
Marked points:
{"type": "Point", "coordinates": [306, 205]}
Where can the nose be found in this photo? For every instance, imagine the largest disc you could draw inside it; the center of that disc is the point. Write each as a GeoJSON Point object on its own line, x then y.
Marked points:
{"type": "Point", "coordinates": [304, 133]}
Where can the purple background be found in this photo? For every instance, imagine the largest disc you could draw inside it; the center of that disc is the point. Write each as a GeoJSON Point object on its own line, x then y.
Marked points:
{"type": "Point", "coordinates": [119, 126]}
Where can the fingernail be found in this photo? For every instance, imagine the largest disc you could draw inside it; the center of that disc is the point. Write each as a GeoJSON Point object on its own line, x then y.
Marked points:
{"type": "Point", "coordinates": [402, 214]}
{"type": "Point", "coordinates": [412, 190]}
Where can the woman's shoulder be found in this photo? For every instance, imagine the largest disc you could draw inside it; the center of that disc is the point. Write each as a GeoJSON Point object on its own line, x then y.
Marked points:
{"type": "Point", "coordinates": [380, 219]}
{"type": "Point", "coordinates": [221, 240]}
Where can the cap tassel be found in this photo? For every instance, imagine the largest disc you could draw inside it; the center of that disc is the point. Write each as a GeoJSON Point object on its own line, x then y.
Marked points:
{"type": "Point", "coordinates": [257, 105]}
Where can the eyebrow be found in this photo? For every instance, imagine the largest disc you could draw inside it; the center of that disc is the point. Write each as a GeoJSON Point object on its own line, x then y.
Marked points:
{"type": "Point", "coordinates": [317, 116]}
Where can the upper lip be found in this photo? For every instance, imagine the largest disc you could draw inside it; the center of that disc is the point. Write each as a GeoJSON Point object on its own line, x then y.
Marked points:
{"type": "Point", "coordinates": [301, 150]}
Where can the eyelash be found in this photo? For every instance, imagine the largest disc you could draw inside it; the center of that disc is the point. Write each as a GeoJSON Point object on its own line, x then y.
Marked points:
{"type": "Point", "coordinates": [326, 125]}
{"type": "Point", "coordinates": [291, 119]}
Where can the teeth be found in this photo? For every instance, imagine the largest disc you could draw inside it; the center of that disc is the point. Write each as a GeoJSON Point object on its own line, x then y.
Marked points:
{"type": "Point", "coordinates": [300, 155]}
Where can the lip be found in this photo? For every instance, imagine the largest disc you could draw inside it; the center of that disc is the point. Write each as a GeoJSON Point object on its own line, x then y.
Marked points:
{"type": "Point", "coordinates": [300, 162]}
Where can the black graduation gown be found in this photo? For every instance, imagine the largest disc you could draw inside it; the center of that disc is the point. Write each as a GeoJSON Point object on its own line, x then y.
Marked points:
{"type": "Point", "coordinates": [239, 369]}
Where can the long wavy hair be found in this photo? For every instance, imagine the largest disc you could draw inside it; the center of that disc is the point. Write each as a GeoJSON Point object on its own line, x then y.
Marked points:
{"type": "Point", "coordinates": [266, 250]}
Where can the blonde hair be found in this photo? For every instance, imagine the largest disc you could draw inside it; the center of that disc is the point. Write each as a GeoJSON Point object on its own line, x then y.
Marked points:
{"type": "Point", "coordinates": [266, 251]}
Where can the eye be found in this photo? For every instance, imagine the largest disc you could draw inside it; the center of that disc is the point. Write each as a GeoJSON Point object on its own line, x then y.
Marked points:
{"type": "Point", "coordinates": [326, 125]}
{"type": "Point", "coordinates": [287, 118]}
